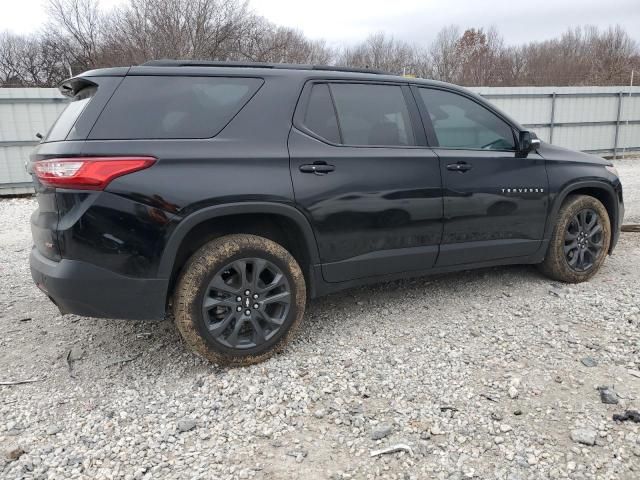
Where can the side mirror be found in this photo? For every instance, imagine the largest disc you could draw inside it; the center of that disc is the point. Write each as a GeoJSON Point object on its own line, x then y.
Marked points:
{"type": "Point", "coordinates": [527, 142]}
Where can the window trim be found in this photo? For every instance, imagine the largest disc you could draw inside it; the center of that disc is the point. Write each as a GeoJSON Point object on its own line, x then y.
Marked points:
{"type": "Point", "coordinates": [417, 126]}
{"type": "Point", "coordinates": [335, 110]}
{"type": "Point", "coordinates": [431, 133]}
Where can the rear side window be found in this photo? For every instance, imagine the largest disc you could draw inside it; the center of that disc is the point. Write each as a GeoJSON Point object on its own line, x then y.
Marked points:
{"type": "Point", "coordinates": [156, 107]}
{"type": "Point", "coordinates": [67, 119]}
{"type": "Point", "coordinates": [371, 114]}
{"type": "Point", "coordinates": [320, 116]}
{"type": "Point", "coordinates": [459, 122]}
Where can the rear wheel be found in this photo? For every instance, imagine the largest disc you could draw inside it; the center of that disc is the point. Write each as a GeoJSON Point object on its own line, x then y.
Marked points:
{"type": "Point", "coordinates": [580, 240]}
{"type": "Point", "coordinates": [239, 299]}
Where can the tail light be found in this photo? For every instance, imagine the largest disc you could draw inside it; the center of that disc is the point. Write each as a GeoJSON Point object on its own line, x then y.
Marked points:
{"type": "Point", "coordinates": [87, 173]}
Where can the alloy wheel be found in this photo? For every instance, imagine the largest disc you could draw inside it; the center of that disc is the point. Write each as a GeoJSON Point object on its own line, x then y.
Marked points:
{"type": "Point", "coordinates": [583, 240]}
{"type": "Point", "coordinates": [246, 303]}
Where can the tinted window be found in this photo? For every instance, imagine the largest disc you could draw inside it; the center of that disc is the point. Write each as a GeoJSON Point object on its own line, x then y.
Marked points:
{"type": "Point", "coordinates": [68, 117]}
{"type": "Point", "coordinates": [320, 116]}
{"type": "Point", "coordinates": [372, 114]}
{"type": "Point", "coordinates": [462, 123]}
{"type": "Point", "coordinates": [173, 107]}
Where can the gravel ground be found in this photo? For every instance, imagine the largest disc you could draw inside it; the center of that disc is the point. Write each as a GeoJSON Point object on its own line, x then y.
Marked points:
{"type": "Point", "coordinates": [483, 374]}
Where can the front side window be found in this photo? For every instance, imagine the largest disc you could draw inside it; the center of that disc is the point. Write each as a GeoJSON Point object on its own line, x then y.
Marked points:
{"type": "Point", "coordinates": [459, 122]}
{"type": "Point", "coordinates": [156, 107]}
{"type": "Point", "coordinates": [371, 114]}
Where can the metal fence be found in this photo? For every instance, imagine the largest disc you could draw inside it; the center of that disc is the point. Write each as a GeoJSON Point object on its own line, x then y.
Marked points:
{"type": "Point", "coordinates": [23, 113]}
{"type": "Point", "coordinates": [602, 120]}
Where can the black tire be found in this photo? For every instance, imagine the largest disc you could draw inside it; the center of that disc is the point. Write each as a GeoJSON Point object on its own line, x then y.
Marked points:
{"type": "Point", "coordinates": [204, 309]}
{"type": "Point", "coordinates": [569, 231]}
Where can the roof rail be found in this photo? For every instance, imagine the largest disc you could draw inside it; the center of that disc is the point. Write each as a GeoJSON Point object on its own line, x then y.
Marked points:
{"type": "Point", "coordinates": [283, 66]}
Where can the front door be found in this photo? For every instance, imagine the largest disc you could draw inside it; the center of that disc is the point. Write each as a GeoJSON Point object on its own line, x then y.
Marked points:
{"type": "Point", "coordinates": [495, 203]}
{"type": "Point", "coordinates": [363, 175]}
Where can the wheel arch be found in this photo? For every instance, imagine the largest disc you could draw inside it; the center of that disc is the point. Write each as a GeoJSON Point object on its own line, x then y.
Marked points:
{"type": "Point", "coordinates": [600, 190]}
{"type": "Point", "coordinates": [282, 223]}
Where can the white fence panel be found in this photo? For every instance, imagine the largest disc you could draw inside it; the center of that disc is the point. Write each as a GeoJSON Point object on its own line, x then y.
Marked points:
{"type": "Point", "coordinates": [23, 113]}
{"type": "Point", "coordinates": [604, 120]}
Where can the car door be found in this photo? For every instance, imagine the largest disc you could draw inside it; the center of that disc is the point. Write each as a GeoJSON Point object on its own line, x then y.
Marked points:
{"type": "Point", "coordinates": [363, 175]}
{"type": "Point", "coordinates": [495, 200]}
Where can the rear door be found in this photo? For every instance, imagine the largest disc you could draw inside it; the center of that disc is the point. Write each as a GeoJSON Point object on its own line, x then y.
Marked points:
{"type": "Point", "coordinates": [363, 174]}
{"type": "Point", "coordinates": [495, 202]}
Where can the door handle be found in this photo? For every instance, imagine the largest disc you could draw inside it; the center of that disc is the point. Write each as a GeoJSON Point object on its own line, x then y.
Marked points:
{"type": "Point", "coordinates": [459, 167]}
{"type": "Point", "coordinates": [319, 168]}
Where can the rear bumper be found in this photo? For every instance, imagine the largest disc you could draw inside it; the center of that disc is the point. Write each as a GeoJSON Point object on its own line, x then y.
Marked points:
{"type": "Point", "coordinates": [84, 289]}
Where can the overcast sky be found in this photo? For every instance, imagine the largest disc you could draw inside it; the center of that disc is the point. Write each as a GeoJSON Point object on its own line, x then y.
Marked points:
{"type": "Point", "coordinates": [418, 21]}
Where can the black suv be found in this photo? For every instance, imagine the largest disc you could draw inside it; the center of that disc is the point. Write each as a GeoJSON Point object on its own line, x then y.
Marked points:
{"type": "Point", "coordinates": [230, 193]}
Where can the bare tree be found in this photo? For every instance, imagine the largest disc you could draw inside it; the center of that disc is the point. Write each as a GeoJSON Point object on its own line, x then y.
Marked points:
{"type": "Point", "coordinates": [443, 54]}
{"type": "Point", "coordinates": [382, 53]}
{"type": "Point", "coordinates": [613, 51]}
{"type": "Point", "coordinates": [146, 29]}
{"type": "Point", "coordinates": [78, 37]}
{"type": "Point", "coordinates": [479, 56]}
{"type": "Point", "coordinates": [9, 60]}
{"type": "Point", "coordinates": [76, 23]}
{"type": "Point", "coordinates": [28, 61]}
{"type": "Point", "coordinates": [263, 41]}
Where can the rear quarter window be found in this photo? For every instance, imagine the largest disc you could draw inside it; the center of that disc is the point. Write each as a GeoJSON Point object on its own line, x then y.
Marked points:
{"type": "Point", "coordinates": [67, 119]}
{"type": "Point", "coordinates": [158, 107]}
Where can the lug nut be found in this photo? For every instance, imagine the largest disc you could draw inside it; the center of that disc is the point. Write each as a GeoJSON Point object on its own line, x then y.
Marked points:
{"type": "Point", "coordinates": [239, 309]}
{"type": "Point", "coordinates": [256, 306]}
{"type": "Point", "coordinates": [255, 296]}
{"type": "Point", "coordinates": [247, 312]}
{"type": "Point", "coordinates": [247, 292]}
{"type": "Point", "coordinates": [238, 299]}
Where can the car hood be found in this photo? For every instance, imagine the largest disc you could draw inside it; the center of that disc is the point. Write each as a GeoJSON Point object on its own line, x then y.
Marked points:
{"type": "Point", "coordinates": [553, 152]}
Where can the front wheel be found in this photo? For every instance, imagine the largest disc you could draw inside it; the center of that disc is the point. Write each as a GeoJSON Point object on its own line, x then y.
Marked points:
{"type": "Point", "coordinates": [239, 299]}
{"type": "Point", "coordinates": [580, 240]}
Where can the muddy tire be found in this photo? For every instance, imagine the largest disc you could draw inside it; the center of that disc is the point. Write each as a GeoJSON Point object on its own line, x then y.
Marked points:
{"type": "Point", "coordinates": [239, 299]}
{"type": "Point", "coordinates": [579, 242]}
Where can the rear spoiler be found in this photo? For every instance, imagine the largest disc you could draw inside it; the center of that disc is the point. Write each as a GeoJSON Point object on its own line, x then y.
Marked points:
{"type": "Point", "coordinates": [71, 86]}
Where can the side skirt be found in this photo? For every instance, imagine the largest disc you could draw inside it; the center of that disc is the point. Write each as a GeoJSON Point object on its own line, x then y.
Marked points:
{"type": "Point", "coordinates": [320, 287]}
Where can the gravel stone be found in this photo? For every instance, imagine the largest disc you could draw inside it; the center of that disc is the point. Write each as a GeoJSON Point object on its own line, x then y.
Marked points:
{"type": "Point", "coordinates": [15, 453]}
{"type": "Point", "coordinates": [589, 362]}
{"type": "Point", "coordinates": [608, 395]}
{"type": "Point", "coordinates": [410, 348]}
{"type": "Point", "coordinates": [186, 424]}
{"type": "Point", "coordinates": [381, 431]}
{"type": "Point", "coordinates": [76, 353]}
{"type": "Point", "coordinates": [53, 429]}
{"type": "Point", "coordinates": [586, 436]}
